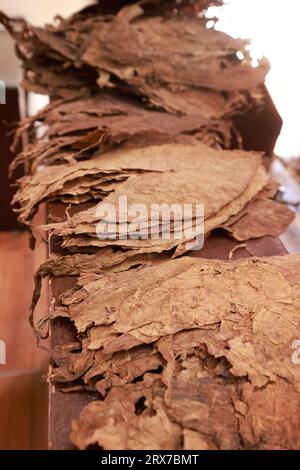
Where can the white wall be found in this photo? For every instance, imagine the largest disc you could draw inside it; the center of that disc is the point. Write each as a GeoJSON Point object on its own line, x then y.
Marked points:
{"type": "Point", "coordinates": [39, 12]}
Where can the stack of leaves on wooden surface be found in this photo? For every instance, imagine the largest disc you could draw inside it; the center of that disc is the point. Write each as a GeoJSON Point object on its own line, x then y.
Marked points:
{"type": "Point", "coordinates": [183, 353]}
{"type": "Point", "coordinates": [203, 76]}
{"type": "Point", "coordinates": [200, 349]}
{"type": "Point", "coordinates": [80, 129]}
{"type": "Point", "coordinates": [232, 186]}
{"type": "Point", "coordinates": [129, 52]}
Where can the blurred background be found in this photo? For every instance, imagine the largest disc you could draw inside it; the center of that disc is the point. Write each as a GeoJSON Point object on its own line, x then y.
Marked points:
{"type": "Point", "coordinates": [272, 27]}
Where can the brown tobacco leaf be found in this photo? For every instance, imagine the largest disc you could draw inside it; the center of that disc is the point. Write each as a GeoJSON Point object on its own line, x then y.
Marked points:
{"type": "Point", "coordinates": [218, 311]}
{"type": "Point", "coordinates": [80, 231]}
{"type": "Point", "coordinates": [262, 217]}
{"type": "Point", "coordinates": [109, 298]}
{"type": "Point", "coordinates": [221, 333]}
{"type": "Point", "coordinates": [89, 264]}
{"type": "Point", "coordinates": [100, 421]}
{"type": "Point", "coordinates": [61, 149]}
{"type": "Point", "coordinates": [65, 180]}
{"type": "Point", "coordinates": [248, 223]}
{"type": "Point", "coordinates": [170, 73]}
{"type": "Point", "coordinates": [203, 412]}
{"type": "Point", "coordinates": [129, 53]}
{"type": "Point", "coordinates": [120, 114]}
{"type": "Point", "coordinates": [199, 177]}
{"type": "Point", "coordinates": [235, 204]}
{"type": "Point", "coordinates": [79, 129]}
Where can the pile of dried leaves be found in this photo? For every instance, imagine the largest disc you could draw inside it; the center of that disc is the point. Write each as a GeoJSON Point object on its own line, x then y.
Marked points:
{"type": "Point", "coordinates": [128, 52]}
{"type": "Point", "coordinates": [233, 187]}
{"type": "Point", "coordinates": [195, 83]}
{"type": "Point", "coordinates": [197, 349]}
{"type": "Point", "coordinates": [81, 129]}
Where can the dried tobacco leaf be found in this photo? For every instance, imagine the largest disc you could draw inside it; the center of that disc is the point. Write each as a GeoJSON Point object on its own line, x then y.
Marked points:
{"type": "Point", "coordinates": [170, 73]}
{"type": "Point", "coordinates": [82, 128]}
{"type": "Point", "coordinates": [81, 230]}
{"type": "Point", "coordinates": [89, 264]}
{"type": "Point", "coordinates": [219, 340]}
{"type": "Point", "coordinates": [237, 204]}
{"type": "Point", "coordinates": [214, 186]}
{"type": "Point", "coordinates": [103, 420]}
{"type": "Point", "coordinates": [262, 217]}
{"type": "Point", "coordinates": [56, 181]}
{"type": "Point", "coordinates": [129, 53]}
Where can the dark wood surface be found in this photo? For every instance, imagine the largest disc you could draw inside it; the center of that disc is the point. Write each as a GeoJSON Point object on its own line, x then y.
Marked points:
{"type": "Point", "coordinates": [63, 407]}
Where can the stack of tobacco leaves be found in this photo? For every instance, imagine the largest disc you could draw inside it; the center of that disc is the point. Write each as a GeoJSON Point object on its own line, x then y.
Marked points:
{"type": "Point", "coordinates": [129, 52]}
{"type": "Point", "coordinates": [143, 102]}
{"type": "Point", "coordinates": [80, 129]}
{"type": "Point", "coordinates": [232, 186]}
{"type": "Point", "coordinates": [198, 349]}
{"type": "Point", "coordinates": [196, 82]}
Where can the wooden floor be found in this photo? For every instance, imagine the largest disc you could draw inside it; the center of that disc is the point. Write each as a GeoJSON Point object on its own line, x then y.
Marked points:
{"type": "Point", "coordinates": [23, 386]}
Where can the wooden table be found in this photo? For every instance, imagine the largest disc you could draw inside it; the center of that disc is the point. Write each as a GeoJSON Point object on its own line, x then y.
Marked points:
{"type": "Point", "coordinates": [63, 407]}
